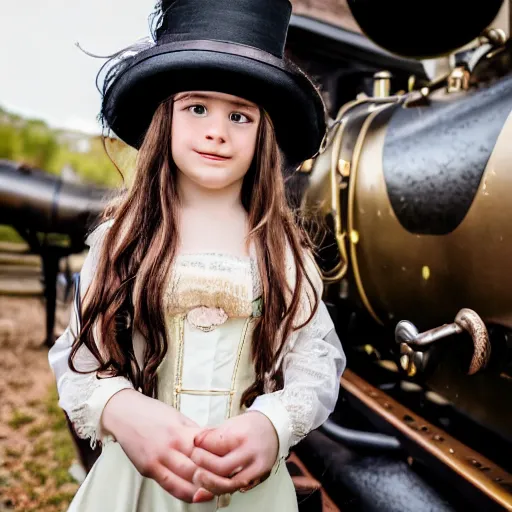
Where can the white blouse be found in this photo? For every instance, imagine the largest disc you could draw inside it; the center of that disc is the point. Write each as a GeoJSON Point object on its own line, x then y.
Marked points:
{"type": "Point", "coordinates": [312, 362]}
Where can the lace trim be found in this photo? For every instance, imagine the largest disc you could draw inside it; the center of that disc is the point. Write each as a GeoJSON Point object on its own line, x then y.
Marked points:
{"type": "Point", "coordinates": [311, 376]}
{"type": "Point", "coordinates": [300, 397]}
{"type": "Point", "coordinates": [299, 403]}
{"type": "Point", "coordinates": [223, 261]}
{"type": "Point", "coordinates": [84, 420]}
{"type": "Point", "coordinates": [257, 287]}
{"type": "Point", "coordinates": [87, 396]}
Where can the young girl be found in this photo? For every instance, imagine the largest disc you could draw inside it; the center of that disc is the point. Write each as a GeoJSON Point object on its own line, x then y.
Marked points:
{"type": "Point", "coordinates": [202, 352]}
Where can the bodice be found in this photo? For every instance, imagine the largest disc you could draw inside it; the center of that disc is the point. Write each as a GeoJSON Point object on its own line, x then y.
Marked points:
{"type": "Point", "coordinates": [212, 303]}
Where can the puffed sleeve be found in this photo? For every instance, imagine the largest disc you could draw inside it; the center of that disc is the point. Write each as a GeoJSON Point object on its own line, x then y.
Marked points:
{"type": "Point", "coordinates": [84, 396]}
{"type": "Point", "coordinates": [312, 368]}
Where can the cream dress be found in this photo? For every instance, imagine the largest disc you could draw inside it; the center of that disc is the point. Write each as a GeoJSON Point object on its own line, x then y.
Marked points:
{"type": "Point", "coordinates": [212, 305]}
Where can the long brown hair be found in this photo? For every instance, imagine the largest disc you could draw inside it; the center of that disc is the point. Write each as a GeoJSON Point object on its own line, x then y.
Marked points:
{"type": "Point", "coordinates": [127, 290]}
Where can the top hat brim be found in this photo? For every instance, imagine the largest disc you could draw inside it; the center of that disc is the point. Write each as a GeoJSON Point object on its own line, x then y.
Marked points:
{"type": "Point", "coordinates": [291, 100]}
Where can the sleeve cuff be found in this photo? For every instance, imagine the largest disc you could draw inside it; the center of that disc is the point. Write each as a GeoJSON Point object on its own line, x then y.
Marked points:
{"type": "Point", "coordinates": [99, 398]}
{"type": "Point", "coordinates": [275, 411]}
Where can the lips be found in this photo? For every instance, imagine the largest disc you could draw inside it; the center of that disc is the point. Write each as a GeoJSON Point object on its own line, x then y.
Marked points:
{"type": "Point", "coordinates": [213, 156]}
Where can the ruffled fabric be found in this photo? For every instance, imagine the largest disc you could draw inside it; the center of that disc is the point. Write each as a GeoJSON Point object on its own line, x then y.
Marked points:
{"type": "Point", "coordinates": [83, 396]}
{"type": "Point", "coordinates": [311, 369]}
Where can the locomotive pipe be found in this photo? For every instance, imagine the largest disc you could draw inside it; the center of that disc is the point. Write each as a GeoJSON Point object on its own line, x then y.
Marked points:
{"type": "Point", "coordinates": [34, 199]}
{"type": "Point", "coordinates": [358, 438]}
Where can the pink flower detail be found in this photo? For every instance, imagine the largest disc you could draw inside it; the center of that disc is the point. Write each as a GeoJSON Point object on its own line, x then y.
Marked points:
{"type": "Point", "coordinates": [206, 318]}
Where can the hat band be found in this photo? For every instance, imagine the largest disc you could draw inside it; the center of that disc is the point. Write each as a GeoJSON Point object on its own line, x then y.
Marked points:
{"type": "Point", "coordinates": [208, 45]}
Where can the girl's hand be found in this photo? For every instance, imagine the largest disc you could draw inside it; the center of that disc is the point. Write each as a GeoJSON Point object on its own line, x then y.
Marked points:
{"type": "Point", "coordinates": [245, 446]}
{"type": "Point", "coordinates": [157, 439]}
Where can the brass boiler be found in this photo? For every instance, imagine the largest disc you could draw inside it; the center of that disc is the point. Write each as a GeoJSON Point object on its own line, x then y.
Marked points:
{"type": "Point", "coordinates": [419, 190]}
{"type": "Point", "coordinates": [421, 237]}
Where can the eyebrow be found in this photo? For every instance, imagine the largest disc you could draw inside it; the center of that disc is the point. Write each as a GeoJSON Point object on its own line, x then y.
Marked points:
{"type": "Point", "coordinates": [240, 104]}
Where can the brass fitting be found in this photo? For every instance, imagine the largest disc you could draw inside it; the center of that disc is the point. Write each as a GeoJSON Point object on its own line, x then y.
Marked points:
{"type": "Point", "coordinates": [382, 84]}
{"type": "Point", "coordinates": [458, 80]}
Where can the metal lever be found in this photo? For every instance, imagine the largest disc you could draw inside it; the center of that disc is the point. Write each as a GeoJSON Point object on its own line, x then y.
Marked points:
{"type": "Point", "coordinates": [407, 335]}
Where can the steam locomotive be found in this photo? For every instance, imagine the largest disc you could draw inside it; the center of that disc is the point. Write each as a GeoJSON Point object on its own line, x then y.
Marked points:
{"type": "Point", "coordinates": [412, 184]}
{"type": "Point", "coordinates": [412, 187]}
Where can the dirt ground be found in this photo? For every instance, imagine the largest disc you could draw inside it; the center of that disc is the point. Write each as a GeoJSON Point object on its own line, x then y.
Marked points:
{"type": "Point", "coordinates": [36, 449]}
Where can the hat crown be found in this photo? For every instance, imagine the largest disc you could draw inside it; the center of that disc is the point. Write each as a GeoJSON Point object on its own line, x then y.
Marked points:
{"type": "Point", "coordinates": [262, 24]}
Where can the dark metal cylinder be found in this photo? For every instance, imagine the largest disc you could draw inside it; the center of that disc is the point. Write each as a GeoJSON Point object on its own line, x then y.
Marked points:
{"type": "Point", "coordinates": [31, 198]}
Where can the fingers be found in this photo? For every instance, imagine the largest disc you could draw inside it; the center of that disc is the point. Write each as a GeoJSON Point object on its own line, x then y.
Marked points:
{"type": "Point", "coordinates": [184, 443]}
{"type": "Point", "coordinates": [202, 495]}
{"type": "Point", "coordinates": [217, 441]}
{"type": "Point", "coordinates": [220, 485]}
{"type": "Point", "coordinates": [179, 487]}
{"type": "Point", "coordinates": [222, 466]}
{"type": "Point", "coordinates": [198, 439]}
{"type": "Point", "coordinates": [179, 471]}
{"type": "Point", "coordinates": [189, 423]}
{"type": "Point", "coordinates": [179, 464]}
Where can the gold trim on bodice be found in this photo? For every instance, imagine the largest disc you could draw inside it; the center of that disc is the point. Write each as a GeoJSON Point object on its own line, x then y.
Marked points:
{"type": "Point", "coordinates": [172, 368]}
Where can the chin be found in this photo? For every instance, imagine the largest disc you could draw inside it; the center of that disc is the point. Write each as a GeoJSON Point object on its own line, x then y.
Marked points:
{"type": "Point", "coordinates": [212, 181]}
{"type": "Point", "coordinates": [214, 185]}
{"type": "Point", "coordinates": [208, 182]}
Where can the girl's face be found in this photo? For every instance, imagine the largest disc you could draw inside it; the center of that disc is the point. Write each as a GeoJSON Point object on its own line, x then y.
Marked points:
{"type": "Point", "coordinates": [213, 137]}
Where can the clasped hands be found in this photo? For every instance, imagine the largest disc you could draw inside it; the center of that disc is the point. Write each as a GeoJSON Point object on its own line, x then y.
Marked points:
{"type": "Point", "coordinates": [193, 464]}
{"type": "Point", "coordinates": [234, 456]}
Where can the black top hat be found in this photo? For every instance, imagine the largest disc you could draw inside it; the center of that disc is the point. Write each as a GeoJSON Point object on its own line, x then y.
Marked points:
{"type": "Point", "coordinates": [231, 46]}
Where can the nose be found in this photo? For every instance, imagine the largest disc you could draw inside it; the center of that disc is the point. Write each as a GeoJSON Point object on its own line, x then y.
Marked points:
{"type": "Point", "coordinates": [216, 129]}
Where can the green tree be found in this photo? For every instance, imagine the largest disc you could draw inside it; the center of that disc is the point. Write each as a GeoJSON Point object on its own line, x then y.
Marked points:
{"type": "Point", "coordinates": [39, 144]}
{"type": "Point", "coordinates": [9, 142]}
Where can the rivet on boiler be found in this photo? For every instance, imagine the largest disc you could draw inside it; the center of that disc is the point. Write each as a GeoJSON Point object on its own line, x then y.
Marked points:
{"type": "Point", "coordinates": [344, 167]}
{"type": "Point", "coordinates": [354, 236]}
{"type": "Point", "coordinates": [425, 272]}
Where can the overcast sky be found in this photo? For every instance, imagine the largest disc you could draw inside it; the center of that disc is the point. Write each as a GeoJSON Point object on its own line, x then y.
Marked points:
{"type": "Point", "coordinates": [43, 74]}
